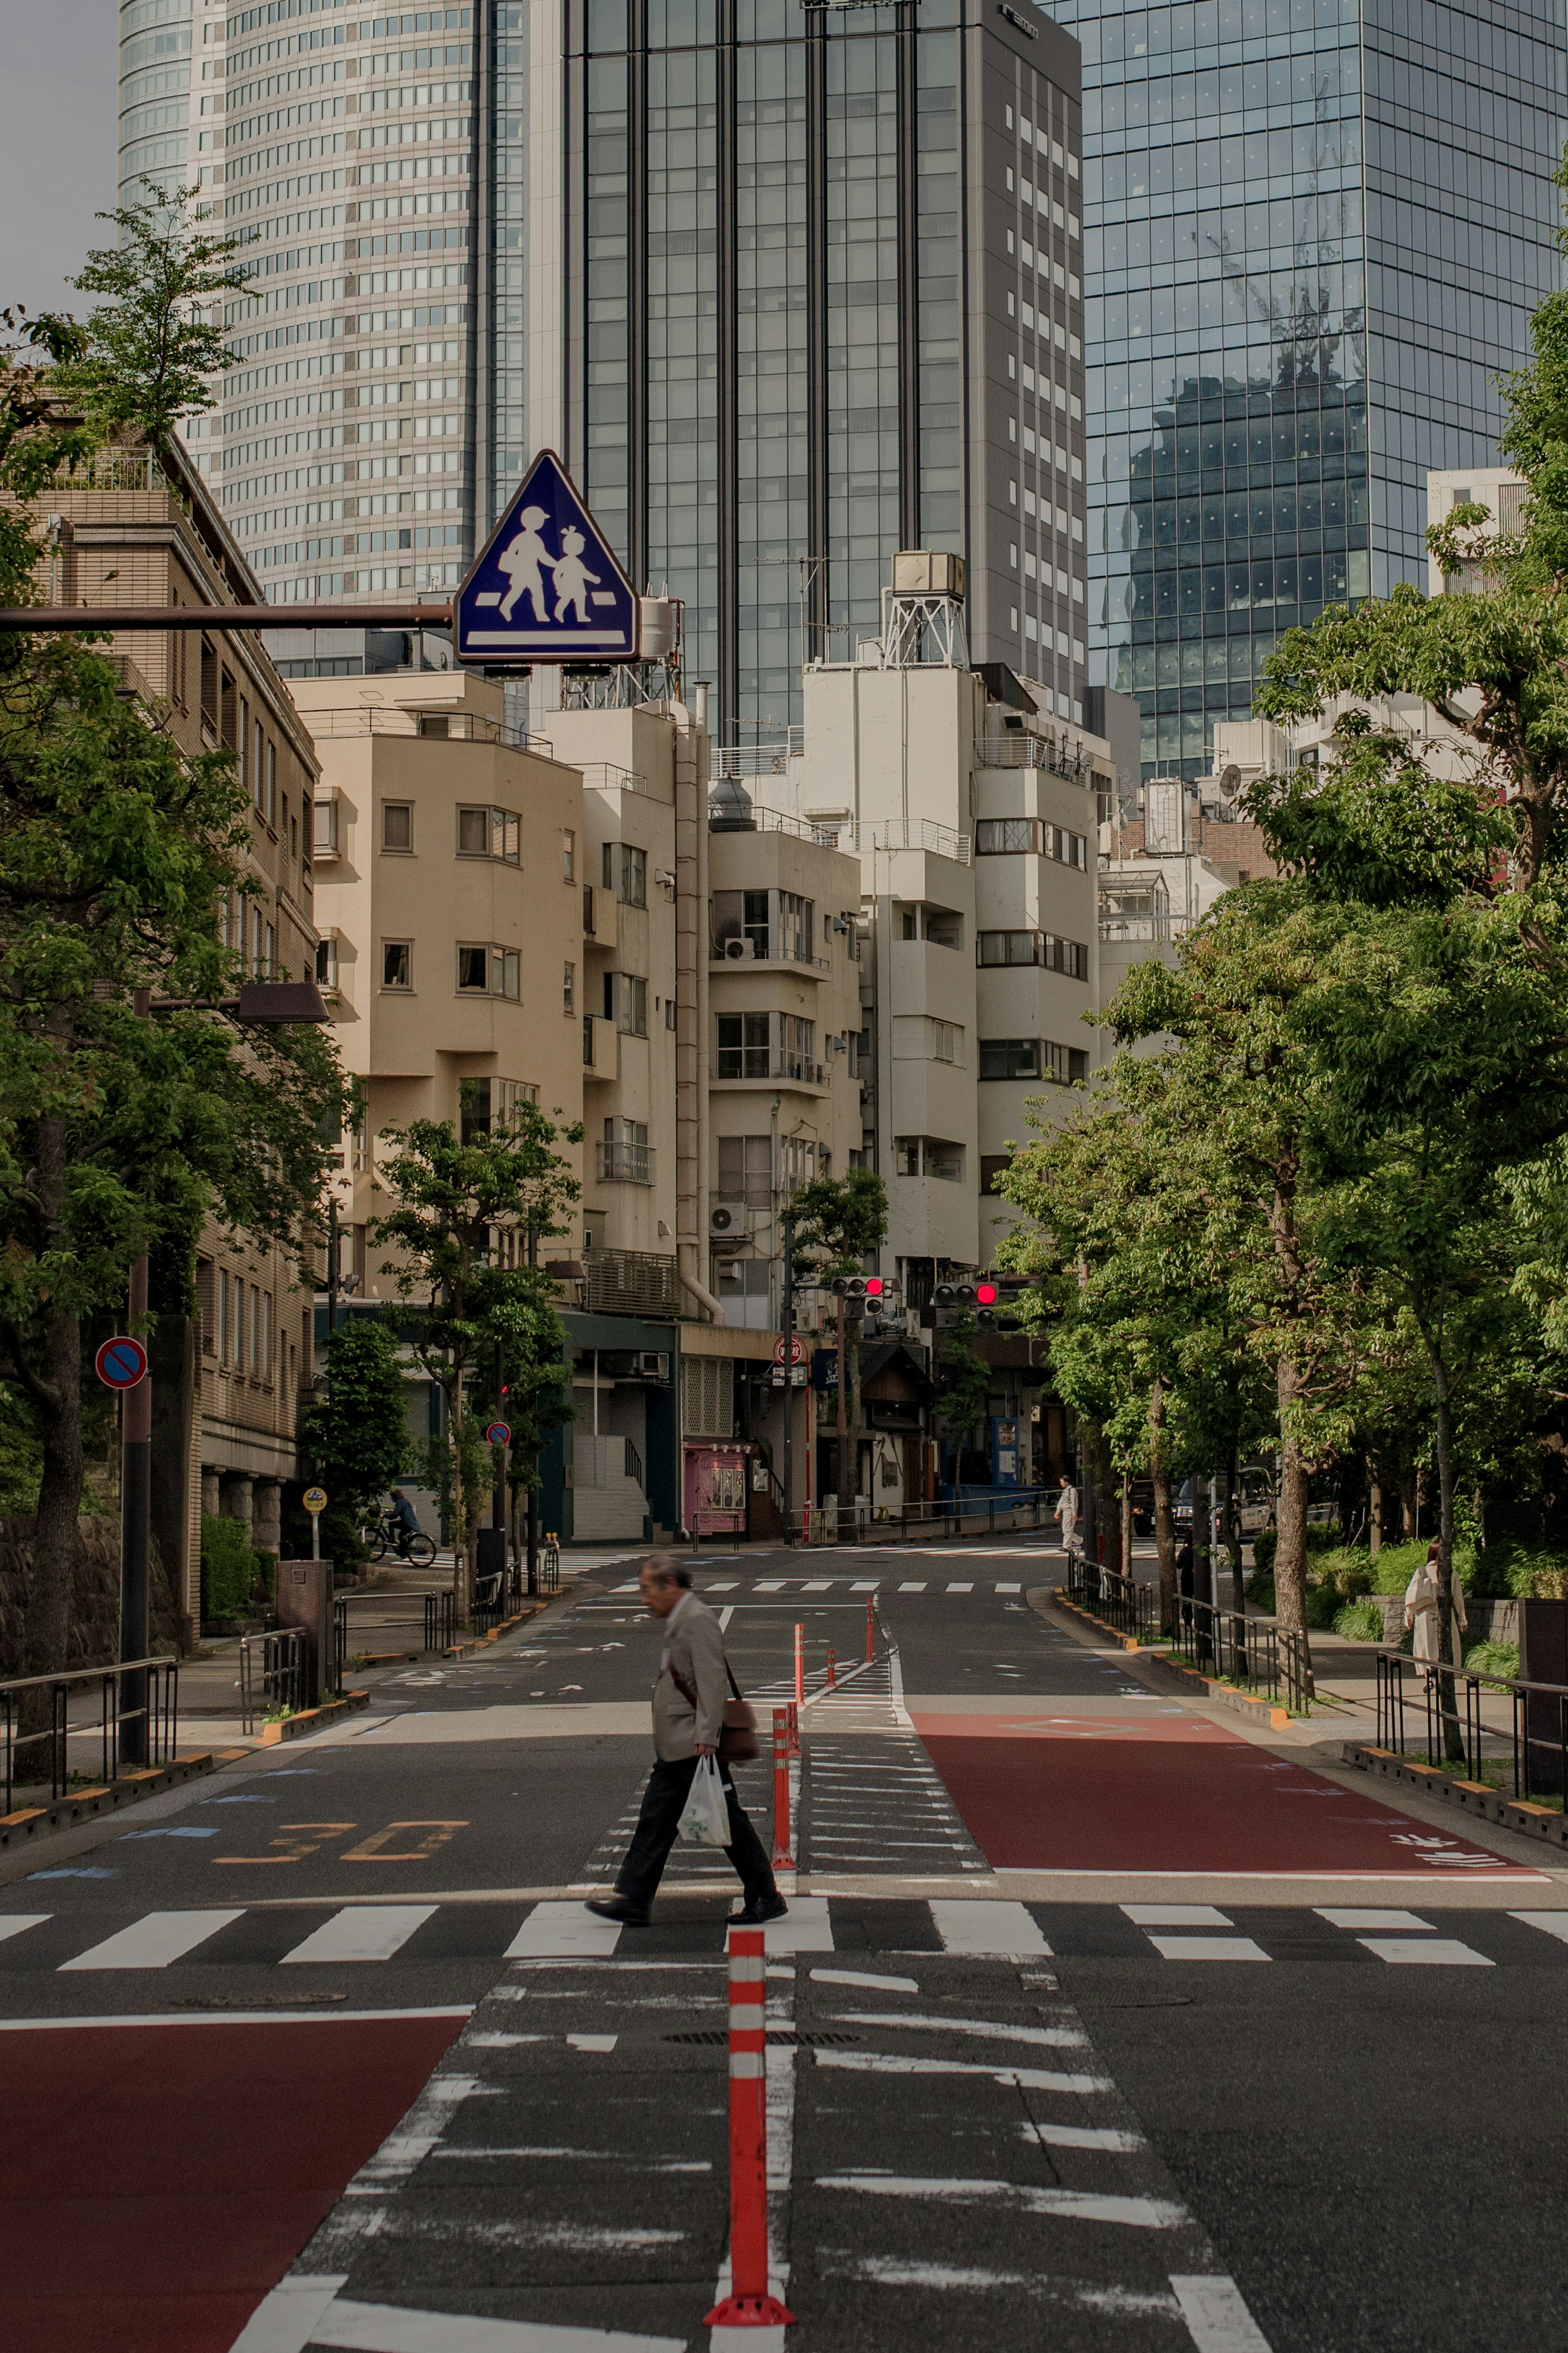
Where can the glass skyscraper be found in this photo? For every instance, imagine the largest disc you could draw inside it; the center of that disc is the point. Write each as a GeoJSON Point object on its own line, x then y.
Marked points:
{"type": "Point", "coordinates": [1314, 233]}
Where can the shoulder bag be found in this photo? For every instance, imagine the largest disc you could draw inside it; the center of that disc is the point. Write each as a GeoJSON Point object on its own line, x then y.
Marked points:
{"type": "Point", "coordinates": [738, 1735]}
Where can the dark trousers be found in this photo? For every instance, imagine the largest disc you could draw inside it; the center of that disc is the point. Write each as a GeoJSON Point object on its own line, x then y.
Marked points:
{"type": "Point", "coordinates": [663, 1803]}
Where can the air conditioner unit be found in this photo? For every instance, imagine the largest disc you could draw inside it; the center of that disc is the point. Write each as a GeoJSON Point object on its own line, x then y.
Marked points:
{"type": "Point", "coordinates": [654, 1364]}
{"type": "Point", "coordinates": [728, 1221]}
{"type": "Point", "coordinates": [739, 951]}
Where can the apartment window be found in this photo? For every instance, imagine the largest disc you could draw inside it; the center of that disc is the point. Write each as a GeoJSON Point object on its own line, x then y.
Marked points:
{"type": "Point", "coordinates": [506, 972]}
{"type": "Point", "coordinates": [269, 809]}
{"type": "Point", "coordinates": [324, 829]}
{"type": "Point", "coordinates": [486, 970]}
{"type": "Point", "coordinates": [474, 970]}
{"type": "Point", "coordinates": [669, 1020]}
{"type": "Point", "coordinates": [569, 857]}
{"type": "Point", "coordinates": [744, 1046]}
{"type": "Point", "coordinates": [798, 1043]}
{"type": "Point", "coordinates": [625, 1002]}
{"type": "Point", "coordinates": [745, 1170]}
{"type": "Point", "coordinates": [624, 1157]}
{"type": "Point", "coordinates": [797, 927]}
{"type": "Point", "coordinates": [327, 962]}
{"type": "Point", "coordinates": [436, 724]}
{"type": "Point", "coordinates": [929, 1155]}
{"type": "Point", "coordinates": [920, 1037]}
{"type": "Point", "coordinates": [742, 1285]}
{"type": "Point", "coordinates": [227, 706]}
{"type": "Point", "coordinates": [939, 925]}
{"type": "Point", "coordinates": [252, 1331]}
{"type": "Point", "coordinates": [798, 1159]}
{"type": "Point", "coordinates": [249, 769]}
{"type": "Point", "coordinates": [1003, 836]}
{"type": "Point", "coordinates": [397, 963]}
{"type": "Point", "coordinates": [1033, 1057]}
{"type": "Point", "coordinates": [265, 1349]}
{"type": "Point", "coordinates": [625, 873]}
{"type": "Point", "coordinates": [740, 926]}
{"type": "Point", "coordinates": [490, 833]}
{"type": "Point", "coordinates": [1046, 949]}
{"type": "Point", "coordinates": [397, 825]}
{"type": "Point", "coordinates": [569, 987]}
{"type": "Point", "coordinates": [475, 1104]}
{"type": "Point", "coordinates": [220, 1316]}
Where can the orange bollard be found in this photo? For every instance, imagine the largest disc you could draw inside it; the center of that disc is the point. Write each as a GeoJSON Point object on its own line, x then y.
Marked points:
{"type": "Point", "coordinates": [799, 1664]}
{"type": "Point", "coordinates": [783, 1858]}
{"type": "Point", "coordinates": [832, 1677]}
{"type": "Point", "coordinates": [748, 2305]}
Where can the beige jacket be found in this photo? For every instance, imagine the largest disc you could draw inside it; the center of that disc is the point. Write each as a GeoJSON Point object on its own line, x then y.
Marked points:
{"type": "Point", "coordinates": [694, 1649]}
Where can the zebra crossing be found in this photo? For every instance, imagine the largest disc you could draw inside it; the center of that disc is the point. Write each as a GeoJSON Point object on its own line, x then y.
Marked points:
{"type": "Point", "coordinates": [796, 1587]}
{"type": "Point", "coordinates": [981, 1926]}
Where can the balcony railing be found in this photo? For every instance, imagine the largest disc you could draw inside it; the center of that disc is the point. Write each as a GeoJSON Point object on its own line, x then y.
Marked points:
{"type": "Point", "coordinates": [747, 1062]}
{"type": "Point", "coordinates": [1153, 928]}
{"type": "Point", "coordinates": [915, 833]}
{"type": "Point", "coordinates": [1021, 751]}
{"type": "Point", "coordinates": [625, 1163]}
{"type": "Point", "coordinates": [605, 777]}
{"type": "Point", "coordinates": [394, 719]}
{"type": "Point", "coordinates": [757, 945]}
{"type": "Point", "coordinates": [630, 1283]}
{"type": "Point", "coordinates": [769, 758]}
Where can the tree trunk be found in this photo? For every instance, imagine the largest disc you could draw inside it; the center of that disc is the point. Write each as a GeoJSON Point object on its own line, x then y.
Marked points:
{"type": "Point", "coordinates": [1231, 1531]}
{"type": "Point", "coordinates": [1165, 1521]}
{"type": "Point", "coordinates": [1447, 1633]}
{"type": "Point", "coordinates": [1375, 1528]}
{"type": "Point", "coordinates": [1291, 1552]}
{"type": "Point", "coordinates": [1107, 1496]}
{"type": "Point", "coordinates": [57, 1543]}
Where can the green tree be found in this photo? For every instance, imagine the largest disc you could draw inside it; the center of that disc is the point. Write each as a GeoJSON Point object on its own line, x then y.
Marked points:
{"type": "Point", "coordinates": [838, 1222]}
{"type": "Point", "coordinates": [460, 1233]}
{"type": "Point", "coordinates": [356, 1434]}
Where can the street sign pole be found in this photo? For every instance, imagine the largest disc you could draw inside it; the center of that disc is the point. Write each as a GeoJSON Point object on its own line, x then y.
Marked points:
{"type": "Point", "coordinates": [135, 1536]}
{"type": "Point", "coordinates": [788, 1321]}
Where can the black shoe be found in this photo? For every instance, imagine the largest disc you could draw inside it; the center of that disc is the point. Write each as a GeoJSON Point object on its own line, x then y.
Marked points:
{"type": "Point", "coordinates": [760, 1911]}
{"type": "Point", "coordinates": [616, 1907]}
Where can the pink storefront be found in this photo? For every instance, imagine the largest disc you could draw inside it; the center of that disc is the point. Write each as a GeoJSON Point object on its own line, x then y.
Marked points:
{"type": "Point", "coordinates": [714, 1494]}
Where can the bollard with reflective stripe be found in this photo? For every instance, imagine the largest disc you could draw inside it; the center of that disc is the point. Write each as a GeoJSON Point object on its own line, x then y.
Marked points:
{"type": "Point", "coordinates": [832, 1676]}
{"type": "Point", "coordinates": [869, 1636]}
{"type": "Point", "coordinates": [794, 1729]}
{"type": "Point", "coordinates": [783, 1858]}
{"type": "Point", "coordinates": [799, 1664]}
{"type": "Point", "coordinates": [749, 2303]}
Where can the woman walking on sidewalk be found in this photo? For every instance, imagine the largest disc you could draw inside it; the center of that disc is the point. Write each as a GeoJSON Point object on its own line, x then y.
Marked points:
{"type": "Point", "coordinates": [694, 1681]}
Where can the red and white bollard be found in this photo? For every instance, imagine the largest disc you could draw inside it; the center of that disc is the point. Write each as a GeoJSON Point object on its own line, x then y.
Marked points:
{"type": "Point", "coordinates": [749, 2303]}
{"type": "Point", "coordinates": [794, 1729]}
{"type": "Point", "coordinates": [870, 1636]}
{"type": "Point", "coordinates": [799, 1664]}
{"type": "Point", "coordinates": [806, 1525]}
{"type": "Point", "coordinates": [832, 1677]}
{"type": "Point", "coordinates": [783, 1857]}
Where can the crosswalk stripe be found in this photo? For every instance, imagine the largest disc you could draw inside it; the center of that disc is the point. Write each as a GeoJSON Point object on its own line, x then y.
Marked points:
{"type": "Point", "coordinates": [1208, 1948]}
{"type": "Point", "coordinates": [1555, 1924]}
{"type": "Point", "coordinates": [917, 1587]}
{"type": "Point", "coordinates": [961, 1588]}
{"type": "Point", "coordinates": [1444, 1951]}
{"type": "Point", "coordinates": [970, 1925]}
{"type": "Point", "coordinates": [362, 1932]}
{"type": "Point", "coordinates": [1176, 1915]}
{"type": "Point", "coordinates": [153, 1941]}
{"type": "Point", "coordinates": [1216, 2317]}
{"type": "Point", "coordinates": [13, 1924]}
{"type": "Point", "coordinates": [1371, 1919]}
{"type": "Point", "coordinates": [1009, 1588]}
{"type": "Point", "coordinates": [563, 1931]}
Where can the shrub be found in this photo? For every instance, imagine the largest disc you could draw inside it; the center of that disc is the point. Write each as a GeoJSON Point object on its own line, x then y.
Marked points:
{"type": "Point", "coordinates": [228, 1568]}
{"type": "Point", "coordinates": [1359, 1621]}
{"type": "Point", "coordinates": [1493, 1658]}
{"type": "Point", "coordinates": [1259, 1588]}
{"type": "Point", "coordinates": [1322, 1605]}
{"type": "Point", "coordinates": [1264, 1545]}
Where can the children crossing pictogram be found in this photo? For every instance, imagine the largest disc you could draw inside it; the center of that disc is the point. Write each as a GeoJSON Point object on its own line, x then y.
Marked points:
{"type": "Point", "coordinates": [545, 587]}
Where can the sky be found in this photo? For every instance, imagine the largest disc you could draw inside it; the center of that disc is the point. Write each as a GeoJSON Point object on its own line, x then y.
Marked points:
{"type": "Point", "coordinates": [58, 81]}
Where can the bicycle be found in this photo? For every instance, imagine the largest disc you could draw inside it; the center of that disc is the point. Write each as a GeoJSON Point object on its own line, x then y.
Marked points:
{"type": "Point", "coordinates": [413, 1545]}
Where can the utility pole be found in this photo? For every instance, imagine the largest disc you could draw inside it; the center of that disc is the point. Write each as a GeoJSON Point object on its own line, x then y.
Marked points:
{"type": "Point", "coordinates": [533, 1482]}
{"type": "Point", "coordinates": [788, 1319]}
{"type": "Point", "coordinates": [843, 1416]}
{"type": "Point", "coordinates": [135, 1522]}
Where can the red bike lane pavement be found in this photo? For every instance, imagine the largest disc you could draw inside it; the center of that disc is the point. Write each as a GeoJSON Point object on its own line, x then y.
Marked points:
{"type": "Point", "coordinates": [1045, 1790]}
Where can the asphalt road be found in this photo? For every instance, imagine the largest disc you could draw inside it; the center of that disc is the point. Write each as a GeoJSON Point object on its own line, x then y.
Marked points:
{"type": "Point", "coordinates": [1098, 2019]}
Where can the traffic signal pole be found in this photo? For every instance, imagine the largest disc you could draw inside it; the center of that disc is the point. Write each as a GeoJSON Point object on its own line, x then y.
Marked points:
{"type": "Point", "coordinates": [787, 1317]}
{"type": "Point", "coordinates": [843, 1417]}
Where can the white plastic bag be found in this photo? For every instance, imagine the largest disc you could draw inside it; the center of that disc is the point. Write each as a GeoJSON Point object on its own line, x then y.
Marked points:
{"type": "Point", "coordinates": [706, 1819]}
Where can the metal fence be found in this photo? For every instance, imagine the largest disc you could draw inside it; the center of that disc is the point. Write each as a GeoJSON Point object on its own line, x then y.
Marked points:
{"type": "Point", "coordinates": [1258, 1653]}
{"type": "Point", "coordinates": [142, 1690]}
{"type": "Point", "coordinates": [1108, 1594]}
{"type": "Point", "coordinates": [859, 1520]}
{"type": "Point", "coordinates": [272, 1674]}
{"type": "Point", "coordinates": [1441, 1709]}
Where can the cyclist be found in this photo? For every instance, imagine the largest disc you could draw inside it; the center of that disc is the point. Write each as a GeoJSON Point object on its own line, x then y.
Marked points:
{"type": "Point", "coordinates": [404, 1519]}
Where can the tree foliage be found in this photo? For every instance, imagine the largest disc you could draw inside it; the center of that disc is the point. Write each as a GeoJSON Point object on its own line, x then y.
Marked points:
{"type": "Point", "coordinates": [355, 1433]}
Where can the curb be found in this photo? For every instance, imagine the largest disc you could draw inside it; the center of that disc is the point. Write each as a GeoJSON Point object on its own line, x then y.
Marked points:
{"type": "Point", "coordinates": [312, 1719]}
{"type": "Point", "coordinates": [1198, 1686]}
{"type": "Point", "coordinates": [481, 1641]}
{"type": "Point", "coordinates": [41, 1821]}
{"type": "Point", "coordinates": [1509, 1813]}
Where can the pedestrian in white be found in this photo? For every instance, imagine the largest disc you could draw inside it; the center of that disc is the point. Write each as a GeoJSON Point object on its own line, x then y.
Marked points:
{"type": "Point", "coordinates": [1067, 1514]}
{"type": "Point", "coordinates": [572, 576]}
{"type": "Point", "coordinates": [522, 560]}
{"type": "Point", "coordinates": [1421, 1611]}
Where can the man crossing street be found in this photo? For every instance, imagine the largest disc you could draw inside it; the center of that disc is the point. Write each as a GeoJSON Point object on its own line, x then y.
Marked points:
{"type": "Point", "coordinates": [688, 1699]}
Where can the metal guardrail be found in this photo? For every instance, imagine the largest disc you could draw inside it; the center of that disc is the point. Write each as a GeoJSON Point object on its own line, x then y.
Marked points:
{"type": "Point", "coordinates": [1257, 1653]}
{"type": "Point", "coordinates": [862, 1521]}
{"type": "Point", "coordinates": [159, 1710]}
{"type": "Point", "coordinates": [1452, 1727]}
{"type": "Point", "coordinates": [272, 1673]}
{"type": "Point", "coordinates": [438, 1622]}
{"type": "Point", "coordinates": [1110, 1594]}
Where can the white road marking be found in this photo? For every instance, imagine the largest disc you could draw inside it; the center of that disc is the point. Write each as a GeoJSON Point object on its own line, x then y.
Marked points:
{"type": "Point", "coordinates": [728, 1586]}
{"type": "Point", "coordinates": [284, 2322]}
{"type": "Point", "coordinates": [1072, 2205]}
{"type": "Point", "coordinates": [563, 1931]}
{"type": "Point", "coordinates": [725, 1615]}
{"type": "Point", "coordinates": [989, 2029]}
{"type": "Point", "coordinates": [818, 1585]}
{"type": "Point", "coordinates": [1002, 1930]}
{"type": "Point", "coordinates": [1025, 2079]}
{"type": "Point", "coordinates": [864, 1978]}
{"type": "Point", "coordinates": [1104, 2136]}
{"type": "Point", "coordinates": [592, 2041]}
{"type": "Point", "coordinates": [866, 1585]}
{"type": "Point", "coordinates": [1555, 1924]}
{"type": "Point", "coordinates": [769, 1585]}
{"type": "Point", "coordinates": [13, 1923]}
{"type": "Point", "coordinates": [1176, 1915]}
{"type": "Point", "coordinates": [961, 1588]}
{"type": "Point", "coordinates": [805, 1929]}
{"type": "Point", "coordinates": [1372, 1919]}
{"type": "Point", "coordinates": [1446, 1951]}
{"type": "Point", "coordinates": [1009, 1588]}
{"type": "Point", "coordinates": [1208, 1948]}
{"type": "Point", "coordinates": [1217, 2319]}
{"type": "Point", "coordinates": [918, 1588]}
{"type": "Point", "coordinates": [152, 1942]}
{"type": "Point", "coordinates": [396, 2329]}
{"type": "Point", "coordinates": [362, 1932]}
{"type": "Point", "coordinates": [233, 2018]}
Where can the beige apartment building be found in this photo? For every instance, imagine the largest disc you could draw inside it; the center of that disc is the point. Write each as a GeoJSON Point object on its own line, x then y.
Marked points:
{"type": "Point", "coordinates": [139, 530]}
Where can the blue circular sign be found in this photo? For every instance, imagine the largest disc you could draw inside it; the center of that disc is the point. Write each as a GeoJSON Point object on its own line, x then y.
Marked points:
{"type": "Point", "coordinates": [499, 1433]}
{"type": "Point", "coordinates": [121, 1364]}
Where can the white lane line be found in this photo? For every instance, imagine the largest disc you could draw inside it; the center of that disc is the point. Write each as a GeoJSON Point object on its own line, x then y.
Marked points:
{"type": "Point", "coordinates": [1555, 1924]}
{"type": "Point", "coordinates": [285, 2321]}
{"type": "Point", "coordinates": [918, 1586]}
{"type": "Point", "coordinates": [396, 2329]}
{"type": "Point", "coordinates": [989, 2029]}
{"type": "Point", "coordinates": [153, 1942]}
{"type": "Point", "coordinates": [866, 1585]}
{"type": "Point", "coordinates": [728, 1586]}
{"type": "Point", "coordinates": [592, 2041]}
{"type": "Point", "coordinates": [1208, 1948]}
{"type": "Point", "coordinates": [1072, 2205]}
{"type": "Point", "coordinates": [633, 1587]}
{"type": "Point", "coordinates": [232, 2018]}
{"type": "Point", "coordinates": [1009, 1588]}
{"type": "Point", "coordinates": [563, 1931]}
{"type": "Point", "coordinates": [818, 1585]}
{"type": "Point", "coordinates": [864, 1978]}
{"type": "Point", "coordinates": [13, 1923]}
{"type": "Point", "coordinates": [770, 1585]}
{"type": "Point", "coordinates": [807, 1928]}
{"type": "Point", "coordinates": [362, 1932]}
{"type": "Point", "coordinates": [1176, 1915]}
{"type": "Point", "coordinates": [961, 1588]}
{"type": "Point", "coordinates": [1373, 1919]}
{"type": "Point", "coordinates": [1106, 2136]}
{"type": "Point", "coordinates": [1444, 1951]}
{"type": "Point", "coordinates": [1025, 2079]}
{"type": "Point", "coordinates": [1217, 2319]}
{"type": "Point", "coordinates": [1002, 1930]}
{"type": "Point", "coordinates": [725, 1615]}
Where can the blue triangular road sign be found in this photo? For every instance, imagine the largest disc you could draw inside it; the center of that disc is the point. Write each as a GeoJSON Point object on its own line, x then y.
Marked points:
{"type": "Point", "coordinates": [544, 586]}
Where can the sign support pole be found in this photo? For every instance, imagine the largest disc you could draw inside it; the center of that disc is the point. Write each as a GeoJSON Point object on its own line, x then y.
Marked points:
{"type": "Point", "coordinates": [788, 1321]}
{"type": "Point", "coordinates": [133, 1746]}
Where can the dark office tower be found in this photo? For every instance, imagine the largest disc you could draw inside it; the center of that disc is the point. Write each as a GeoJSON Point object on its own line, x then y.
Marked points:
{"type": "Point", "coordinates": [823, 270]}
{"type": "Point", "coordinates": [1313, 234]}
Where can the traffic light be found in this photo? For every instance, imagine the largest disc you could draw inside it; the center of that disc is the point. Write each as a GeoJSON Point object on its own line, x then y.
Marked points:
{"type": "Point", "coordinates": [998, 1292]}
{"type": "Point", "coordinates": [852, 1289]}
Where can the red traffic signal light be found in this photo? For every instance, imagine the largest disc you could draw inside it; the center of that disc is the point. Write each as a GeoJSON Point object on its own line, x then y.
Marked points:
{"type": "Point", "coordinates": [985, 1293]}
{"type": "Point", "coordinates": [873, 1286]}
